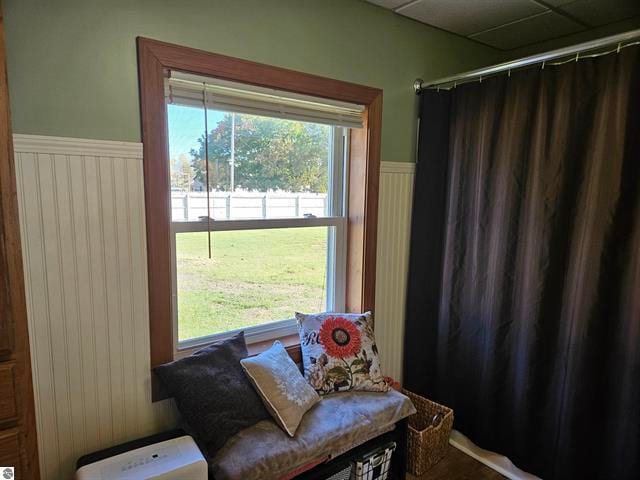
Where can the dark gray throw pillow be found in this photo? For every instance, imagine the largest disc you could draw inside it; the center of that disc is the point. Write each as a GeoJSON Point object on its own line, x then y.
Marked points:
{"type": "Point", "coordinates": [212, 392]}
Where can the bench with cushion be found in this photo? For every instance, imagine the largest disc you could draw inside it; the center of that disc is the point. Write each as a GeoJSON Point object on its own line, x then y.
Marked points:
{"type": "Point", "coordinates": [334, 426]}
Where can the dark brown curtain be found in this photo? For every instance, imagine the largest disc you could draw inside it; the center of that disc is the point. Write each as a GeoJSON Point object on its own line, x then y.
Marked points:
{"type": "Point", "coordinates": [523, 308]}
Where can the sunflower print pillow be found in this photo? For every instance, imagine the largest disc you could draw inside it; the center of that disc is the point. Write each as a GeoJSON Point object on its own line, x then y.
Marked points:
{"type": "Point", "coordinates": [339, 352]}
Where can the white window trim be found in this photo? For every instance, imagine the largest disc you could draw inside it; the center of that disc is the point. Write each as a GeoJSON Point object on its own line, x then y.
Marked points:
{"type": "Point", "coordinates": [336, 254]}
{"type": "Point", "coordinates": [337, 242]}
{"type": "Point", "coordinates": [255, 224]}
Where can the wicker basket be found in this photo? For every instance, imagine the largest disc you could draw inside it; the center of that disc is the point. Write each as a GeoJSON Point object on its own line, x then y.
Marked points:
{"type": "Point", "coordinates": [426, 443]}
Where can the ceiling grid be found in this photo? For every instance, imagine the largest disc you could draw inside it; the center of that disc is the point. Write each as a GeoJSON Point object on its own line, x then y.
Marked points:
{"type": "Point", "coordinates": [509, 24]}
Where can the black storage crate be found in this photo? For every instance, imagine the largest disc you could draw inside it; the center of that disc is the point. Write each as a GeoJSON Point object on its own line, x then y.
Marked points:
{"type": "Point", "coordinates": [375, 465]}
{"type": "Point", "coordinates": [368, 456]}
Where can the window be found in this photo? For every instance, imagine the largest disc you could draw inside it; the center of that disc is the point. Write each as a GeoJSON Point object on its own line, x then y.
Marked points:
{"type": "Point", "coordinates": [258, 222]}
{"type": "Point", "coordinates": [155, 60]}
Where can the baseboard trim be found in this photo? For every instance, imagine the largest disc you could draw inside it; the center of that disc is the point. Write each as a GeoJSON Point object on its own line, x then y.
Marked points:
{"type": "Point", "coordinates": [494, 461]}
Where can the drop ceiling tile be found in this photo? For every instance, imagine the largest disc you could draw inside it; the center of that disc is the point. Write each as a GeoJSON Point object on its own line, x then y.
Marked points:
{"type": "Point", "coordinates": [465, 17]}
{"type": "Point", "coordinates": [541, 27]}
{"type": "Point", "coordinates": [601, 12]}
{"type": "Point", "coordinates": [390, 4]}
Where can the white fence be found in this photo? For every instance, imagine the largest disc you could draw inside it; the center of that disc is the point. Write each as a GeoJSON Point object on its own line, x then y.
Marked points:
{"type": "Point", "coordinates": [189, 206]}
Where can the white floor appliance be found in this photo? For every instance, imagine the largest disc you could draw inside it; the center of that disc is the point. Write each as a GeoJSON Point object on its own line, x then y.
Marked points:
{"type": "Point", "coordinates": [175, 459]}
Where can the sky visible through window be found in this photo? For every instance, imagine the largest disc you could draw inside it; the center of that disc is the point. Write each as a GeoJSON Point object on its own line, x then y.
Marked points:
{"type": "Point", "coordinates": [187, 125]}
{"type": "Point", "coordinates": [246, 152]}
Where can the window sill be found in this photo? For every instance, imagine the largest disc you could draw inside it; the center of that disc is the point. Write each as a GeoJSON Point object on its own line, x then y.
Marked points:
{"type": "Point", "coordinates": [291, 344]}
{"type": "Point", "coordinates": [259, 334]}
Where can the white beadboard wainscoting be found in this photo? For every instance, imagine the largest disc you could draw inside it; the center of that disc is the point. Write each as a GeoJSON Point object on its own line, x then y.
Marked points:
{"type": "Point", "coordinates": [83, 236]}
{"type": "Point", "coordinates": [394, 230]}
{"type": "Point", "coordinates": [84, 247]}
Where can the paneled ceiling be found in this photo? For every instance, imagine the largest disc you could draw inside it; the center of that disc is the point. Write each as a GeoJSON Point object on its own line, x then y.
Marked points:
{"type": "Point", "coordinates": [508, 24]}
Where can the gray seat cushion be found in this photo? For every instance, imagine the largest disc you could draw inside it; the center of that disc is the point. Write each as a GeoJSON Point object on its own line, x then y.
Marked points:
{"type": "Point", "coordinates": [338, 423]}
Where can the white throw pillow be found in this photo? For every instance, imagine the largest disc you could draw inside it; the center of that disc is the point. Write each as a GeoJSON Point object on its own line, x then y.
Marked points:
{"type": "Point", "coordinates": [283, 389]}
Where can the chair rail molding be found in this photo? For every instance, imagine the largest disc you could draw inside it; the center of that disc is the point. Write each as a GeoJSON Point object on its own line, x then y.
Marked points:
{"type": "Point", "coordinates": [79, 146]}
{"type": "Point", "coordinates": [408, 168]}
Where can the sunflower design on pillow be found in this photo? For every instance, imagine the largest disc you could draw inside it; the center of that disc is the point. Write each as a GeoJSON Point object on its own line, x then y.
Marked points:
{"type": "Point", "coordinates": [340, 337]}
{"type": "Point", "coordinates": [339, 352]}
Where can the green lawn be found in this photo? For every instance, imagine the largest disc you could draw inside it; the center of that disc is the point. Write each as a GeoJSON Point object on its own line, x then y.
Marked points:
{"type": "Point", "coordinates": [254, 277]}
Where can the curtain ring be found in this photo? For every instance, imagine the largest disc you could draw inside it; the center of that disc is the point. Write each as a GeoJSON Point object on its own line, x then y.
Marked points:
{"type": "Point", "coordinates": [577, 56]}
{"type": "Point", "coordinates": [480, 78]}
{"type": "Point", "coordinates": [509, 73]}
{"type": "Point", "coordinates": [455, 84]}
{"type": "Point", "coordinates": [543, 62]}
{"type": "Point", "coordinates": [619, 47]}
{"type": "Point", "coordinates": [437, 89]}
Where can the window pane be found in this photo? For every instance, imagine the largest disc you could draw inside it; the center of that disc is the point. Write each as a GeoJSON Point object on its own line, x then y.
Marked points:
{"type": "Point", "coordinates": [185, 128]}
{"type": "Point", "coordinates": [259, 167]}
{"type": "Point", "coordinates": [255, 277]}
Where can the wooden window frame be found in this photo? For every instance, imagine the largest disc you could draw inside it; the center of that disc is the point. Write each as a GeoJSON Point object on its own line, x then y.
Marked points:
{"type": "Point", "coordinates": [155, 58]}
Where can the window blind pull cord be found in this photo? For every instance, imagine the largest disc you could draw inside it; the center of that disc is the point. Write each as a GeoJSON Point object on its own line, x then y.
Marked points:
{"type": "Point", "coordinates": [206, 163]}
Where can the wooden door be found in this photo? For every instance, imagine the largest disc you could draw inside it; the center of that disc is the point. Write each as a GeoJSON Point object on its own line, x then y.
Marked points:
{"type": "Point", "coordinates": [18, 446]}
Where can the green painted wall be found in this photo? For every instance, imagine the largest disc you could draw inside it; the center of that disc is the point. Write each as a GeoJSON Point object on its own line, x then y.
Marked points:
{"type": "Point", "coordinates": [72, 63]}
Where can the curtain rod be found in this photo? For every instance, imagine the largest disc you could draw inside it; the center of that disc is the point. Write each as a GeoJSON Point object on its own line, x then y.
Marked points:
{"type": "Point", "coordinates": [420, 85]}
